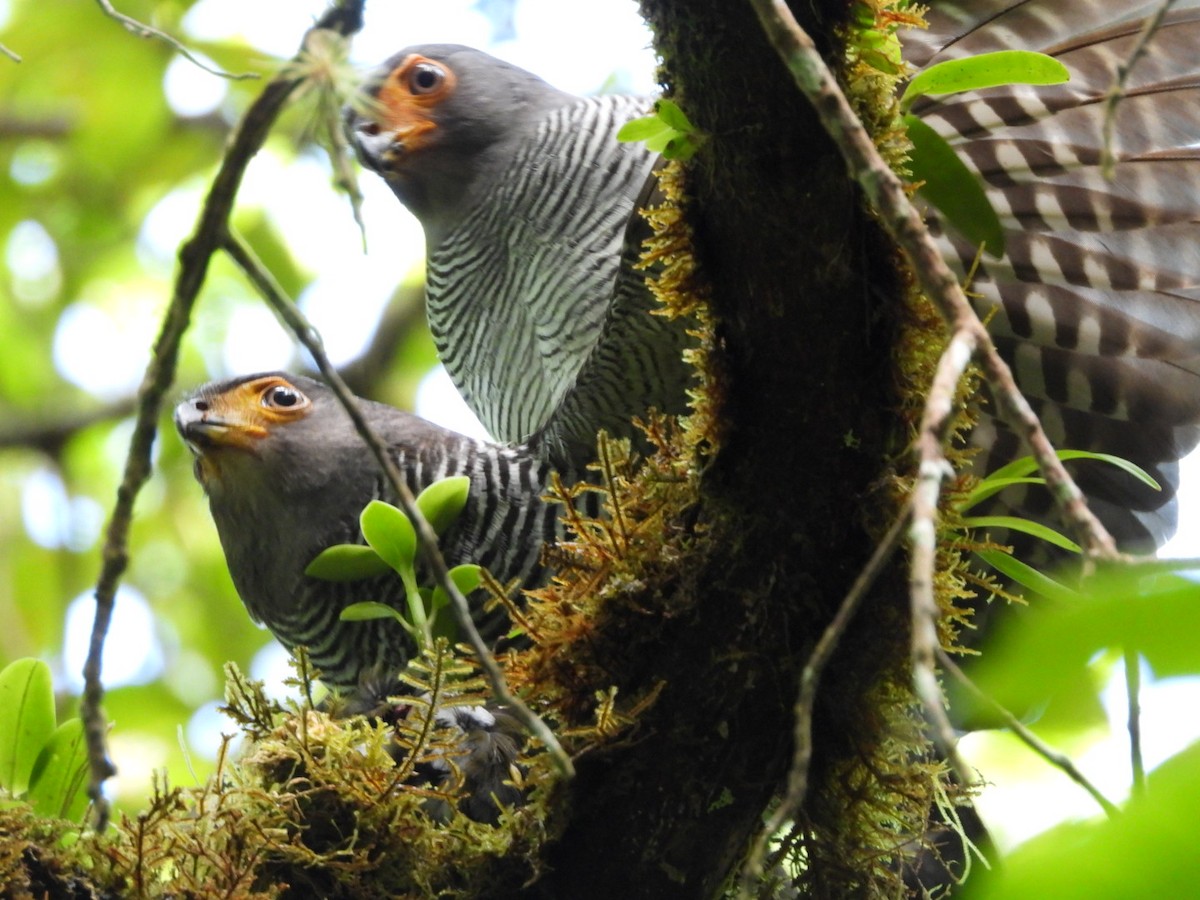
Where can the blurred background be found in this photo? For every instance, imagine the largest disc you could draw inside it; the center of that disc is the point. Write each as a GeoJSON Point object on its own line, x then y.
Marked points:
{"type": "Point", "coordinates": [107, 145]}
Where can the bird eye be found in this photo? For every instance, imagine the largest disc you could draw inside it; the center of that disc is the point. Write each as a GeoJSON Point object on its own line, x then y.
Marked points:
{"type": "Point", "coordinates": [425, 78]}
{"type": "Point", "coordinates": [281, 396]}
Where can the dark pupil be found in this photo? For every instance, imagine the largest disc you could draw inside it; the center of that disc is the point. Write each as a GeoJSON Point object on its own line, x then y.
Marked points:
{"type": "Point", "coordinates": [426, 78]}
{"type": "Point", "coordinates": [284, 397]}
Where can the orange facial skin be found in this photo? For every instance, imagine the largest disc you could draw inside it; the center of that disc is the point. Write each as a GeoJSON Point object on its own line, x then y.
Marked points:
{"type": "Point", "coordinates": [405, 101]}
{"type": "Point", "coordinates": [237, 419]}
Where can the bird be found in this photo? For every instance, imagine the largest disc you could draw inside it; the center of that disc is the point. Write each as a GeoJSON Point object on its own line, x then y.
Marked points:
{"type": "Point", "coordinates": [287, 475]}
{"type": "Point", "coordinates": [527, 201]}
{"type": "Point", "coordinates": [528, 204]}
{"type": "Point", "coordinates": [1096, 301]}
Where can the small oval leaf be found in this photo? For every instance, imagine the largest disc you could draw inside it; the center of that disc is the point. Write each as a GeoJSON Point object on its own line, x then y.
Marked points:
{"type": "Point", "coordinates": [26, 720]}
{"type": "Point", "coordinates": [641, 129]}
{"type": "Point", "coordinates": [390, 534]}
{"type": "Point", "coordinates": [443, 501]}
{"type": "Point", "coordinates": [672, 116]}
{"type": "Point", "coordinates": [347, 562]}
{"type": "Point", "coordinates": [985, 70]}
{"type": "Point", "coordinates": [60, 773]}
{"type": "Point", "coordinates": [953, 188]}
{"type": "Point", "coordinates": [367, 610]}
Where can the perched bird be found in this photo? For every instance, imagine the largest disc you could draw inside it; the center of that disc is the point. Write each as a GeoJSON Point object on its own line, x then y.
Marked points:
{"type": "Point", "coordinates": [527, 200]}
{"type": "Point", "coordinates": [287, 475]}
{"type": "Point", "coordinates": [1096, 302]}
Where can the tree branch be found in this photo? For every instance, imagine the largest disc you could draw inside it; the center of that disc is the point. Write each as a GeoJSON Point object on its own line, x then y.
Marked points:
{"type": "Point", "coordinates": [344, 17]}
{"type": "Point", "coordinates": [133, 26]}
{"type": "Point", "coordinates": [1116, 91]}
{"type": "Point", "coordinates": [1044, 750]}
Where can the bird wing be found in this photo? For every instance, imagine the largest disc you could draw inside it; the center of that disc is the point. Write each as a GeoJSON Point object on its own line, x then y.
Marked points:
{"type": "Point", "coordinates": [637, 361]}
{"type": "Point", "coordinates": [1096, 302]}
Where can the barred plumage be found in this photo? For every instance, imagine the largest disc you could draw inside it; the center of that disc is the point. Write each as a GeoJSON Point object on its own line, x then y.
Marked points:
{"type": "Point", "coordinates": [1095, 302]}
{"type": "Point", "coordinates": [532, 301]}
{"type": "Point", "coordinates": [287, 475]}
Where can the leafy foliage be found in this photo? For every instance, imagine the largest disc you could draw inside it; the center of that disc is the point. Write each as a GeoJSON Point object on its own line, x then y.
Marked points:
{"type": "Point", "coordinates": [667, 131]}
{"type": "Point", "coordinates": [40, 763]}
{"type": "Point", "coordinates": [945, 181]}
{"type": "Point", "coordinates": [392, 544]}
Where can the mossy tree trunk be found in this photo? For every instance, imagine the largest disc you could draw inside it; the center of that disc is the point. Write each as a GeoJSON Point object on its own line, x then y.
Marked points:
{"type": "Point", "coordinates": [803, 284]}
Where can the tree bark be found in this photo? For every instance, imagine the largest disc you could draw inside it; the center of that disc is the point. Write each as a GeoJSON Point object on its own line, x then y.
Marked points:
{"type": "Point", "coordinates": [800, 280]}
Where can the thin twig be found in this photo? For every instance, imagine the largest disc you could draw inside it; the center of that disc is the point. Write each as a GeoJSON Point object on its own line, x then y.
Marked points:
{"type": "Point", "coordinates": [15, 57]}
{"type": "Point", "coordinates": [932, 469]}
{"type": "Point", "coordinates": [1044, 750]}
{"type": "Point", "coordinates": [1133, 689]}
{"type": "Point", "coordinates": [1116, 91]}
{"type": "Point", "coordinates": [810, 678]}
{"type": "Point", "coordinates": [346, 18]}
{"type": "Point", "coordinates": [133, 26]}
{"type": "Point", "coordinates": [308, 336]}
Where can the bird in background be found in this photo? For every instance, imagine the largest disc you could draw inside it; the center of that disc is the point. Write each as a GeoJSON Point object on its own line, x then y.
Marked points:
{"type": "Point", "coordinates": [1096, 301]}
{"type": "Point", "coordinates": [528, 204]}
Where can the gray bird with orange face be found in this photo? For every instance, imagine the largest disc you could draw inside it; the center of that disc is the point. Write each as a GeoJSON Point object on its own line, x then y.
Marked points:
{"type": "Point", "coordinates": [287, 475]}
{"type": "Point", "coordinates": [528, 204]}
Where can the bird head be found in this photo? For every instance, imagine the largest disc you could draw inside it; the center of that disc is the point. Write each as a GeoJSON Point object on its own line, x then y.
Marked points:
{"type": "Point", "coordinates": [236, 424]}
{"type": "Point", "coordinates": [431, 117]}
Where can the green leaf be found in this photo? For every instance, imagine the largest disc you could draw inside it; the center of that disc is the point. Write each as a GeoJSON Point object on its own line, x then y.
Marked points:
{"type": "Point", "coordinates": [390, 534]}
{"type": "Point", "coordinates": [953, 188]}
{"type": "Point", "coordinates": [985, 70]}
{"type": "Point", "coordinates": [1148, 851]}
{"type": "Point", "coordinates": [641, 129]}
{"type": "Point", "coordinates": [1123, 464]}
{"type": "Point", "coordinates": [443, 501]}
{"type": "Point", "coordinates": [1025, 526]}
{"type": "Point", "coordinates": [466, 577]}
{"type": "Point", "coordinates": [26, 720]}
{"type": "Point", "coordinates": [672, 116]}
{"type": "Point", "coordinates": [682, 146]}
{"type": "Point", "coordinates": [347, 562]}
{"type": "Point", "coordinates": [1026, 465]}
{"type": "Point", "coordinates": [1027, 576]}
{"type": "Point", "coordinates": [60, 773]}
{"type": "Point", "coordinates": [1156, 615]}
{"type": "Point", "coordinates": [367, 610]}
{"type": "Point", "coordinates": [990, 486]}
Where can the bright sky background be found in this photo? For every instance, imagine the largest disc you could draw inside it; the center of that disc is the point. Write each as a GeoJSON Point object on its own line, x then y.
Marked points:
{"type": "Point", "coordinates": [578, 47]}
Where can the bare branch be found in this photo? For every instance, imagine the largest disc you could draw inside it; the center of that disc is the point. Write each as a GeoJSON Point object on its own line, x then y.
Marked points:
{"type": "Point", "coordinates": [308, 336]}
{"type": "Point", "coordinates": [133, 26]}
{"type": "Point", "coordinates": [1133, 686]}
{"type": "Point", "coordinates": [1116, 91]}
{"type": "Point", "coordinates": [49, 435]}
{"type": "Point", "coordinates": [15, 57]}
{"type": "Point", "coordinates": [249, 135]}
